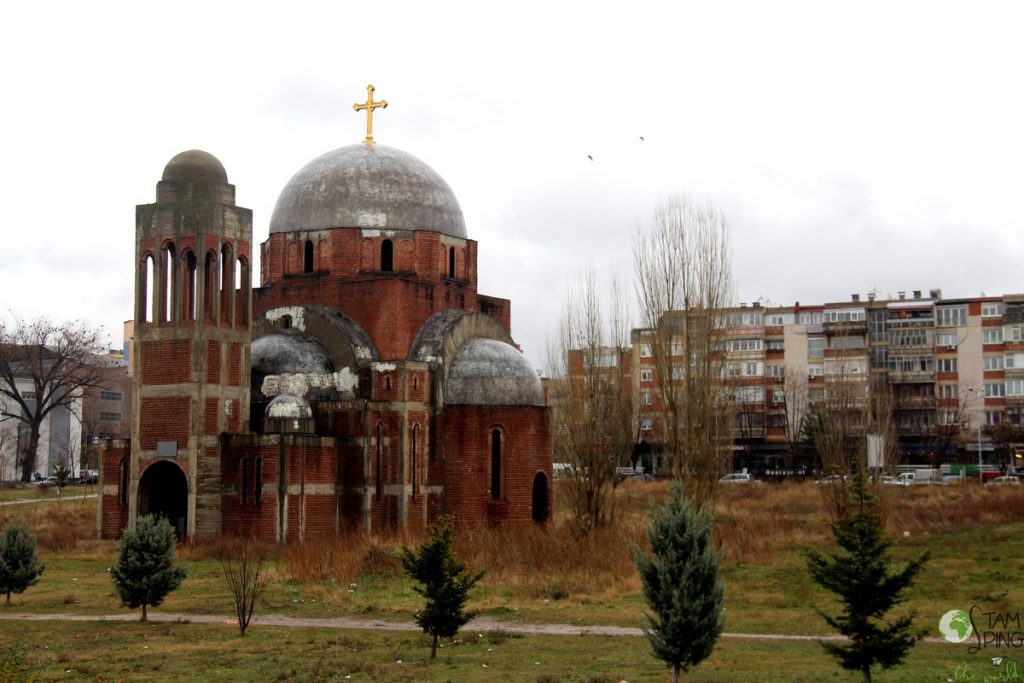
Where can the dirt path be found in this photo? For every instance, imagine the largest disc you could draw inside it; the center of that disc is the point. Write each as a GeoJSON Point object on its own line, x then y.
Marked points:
{"type": "Point", "coordinates": [26, 501]}
{"type": "Point", "coordinates": [478, 624]}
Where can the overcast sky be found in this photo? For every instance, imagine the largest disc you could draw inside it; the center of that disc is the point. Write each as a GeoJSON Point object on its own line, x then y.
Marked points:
{"type": "Point", "coordinates": [852, 146]}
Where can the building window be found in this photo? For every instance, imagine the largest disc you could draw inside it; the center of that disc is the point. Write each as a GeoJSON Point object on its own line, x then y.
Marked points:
{"type": "Point", "coordinates": [992, 310]}
{"type": "Point", "coordinates": [775, 345]}
{"type": "Point", "coordinates": [111, 395]}
{"type": "Point", "coordinates": [815, 347]}
{"type": "Point", "coordinates": [495, 464]}
{"type": "Point", "coordinates": [645, 350]}
{"type": "Point", "coordinates": [995, 390]}
{"type": "Point", "coordinates": [246, 481]}
{"type": "Point", "coordinates": [947, 364]}
{"type": "Point", "coordinates": [387, 256]}
{"type": "Point", "coordinates": [110, 417]}
{"type": "Point", "coordinates": [951, 316]}
{"type": "Point", "coordinates": [257, 480]}
{"type": "Point", "coordinates": [946, 339]}
{"type": "Point", "coordinates": [776, 371]}
{"type": "Point", "coordinates": [1014, 333]}
{"type": "Point", "coordinates": [993, 417]}
{"type": "Point", "coordinates": [122, 496]}
{"type": "Point", "coordinates": [646, 375]}
{"type": "Point", "coordinates": [993, 336]}
{"type": "Point", "coordinates": [739, 345]}
{"type": "Point", "coordinates": [752, 370]}
{"type": "Point", "coordinates": [413, 464]}
{"type": "Point", "coordinates": [1015, 387]}
{"type": "Point", "coordinates": [993, 362]}
{"type": "Point", "coordinates": [1014, 360]}
{"type": "Point", "coordinates": [949, 391]}
{"type": "Point", "coordinates": [778, 397]}
{"type": "Point", "coordinates": [815, 371]}
{"type": "Point", "coordinates": [451, 262]}
{"type": "Point", "coordinates": [646, 424]}
{"type": "Point", "coordinates": [307, 257]}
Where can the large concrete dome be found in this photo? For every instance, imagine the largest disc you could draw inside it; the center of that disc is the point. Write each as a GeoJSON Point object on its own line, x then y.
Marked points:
{"type": "Point", "coordinates": [491, 372]}
{"type": "Point", "coordinates": [368, 186]}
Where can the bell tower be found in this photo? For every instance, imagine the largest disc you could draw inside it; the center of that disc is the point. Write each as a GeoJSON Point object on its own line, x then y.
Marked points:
{"type": "Point", "coordinates": [193, 304]}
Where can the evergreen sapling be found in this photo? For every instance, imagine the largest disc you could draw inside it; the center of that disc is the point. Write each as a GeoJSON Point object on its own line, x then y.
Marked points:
{"type": "Point", "coordinates": [145, 571]}
{"type": "Point", "coordinates": [443, 584]}
{"type": "Point", "coordinates": [681, 583]}
{"type": "Point", "coordinates": [19, 563]}
{"type": "Point", "coordinates": [861, 575]}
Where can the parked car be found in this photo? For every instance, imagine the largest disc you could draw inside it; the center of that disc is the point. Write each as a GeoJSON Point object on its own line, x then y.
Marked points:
{"type": "Point", "coordinates": [737, 478]}
{"type": "Point", "coordinates": [1006, 480]}
{"type": "Point", "coordinates": [47, 482]}
{"type": "Point", "coordinates": [832, 479]}
{"type": "Point", "coordinates": [91, 477]}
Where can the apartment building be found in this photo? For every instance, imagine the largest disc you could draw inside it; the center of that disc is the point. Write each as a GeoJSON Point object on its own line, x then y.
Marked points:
{"type": "Point", "coordinates": [953, 370]}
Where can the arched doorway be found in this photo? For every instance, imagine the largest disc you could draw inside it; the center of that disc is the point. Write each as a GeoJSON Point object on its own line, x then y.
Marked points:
{"type": "Point", "coordinates": [540, 498]}
{"type": "Point", "coordinates": [163, 492]}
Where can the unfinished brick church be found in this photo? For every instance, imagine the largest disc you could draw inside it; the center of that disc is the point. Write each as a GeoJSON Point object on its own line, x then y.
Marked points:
{"type": "Point", "coordinates": [364, 384]}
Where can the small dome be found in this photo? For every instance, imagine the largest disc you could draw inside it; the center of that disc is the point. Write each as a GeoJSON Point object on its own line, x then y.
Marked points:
{"type": "Point", "coordinates": [368, 186]}
{"type": "Point", "coordinates": [289, 352]}
{"type": "Point", "coordinates": [491, 372]}
{"type": "Point", "coordinates": [195, 166]}
{"type": "Point", "coordinates": [288, 407]}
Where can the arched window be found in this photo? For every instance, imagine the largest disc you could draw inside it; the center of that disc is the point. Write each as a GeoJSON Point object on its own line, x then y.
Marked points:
{"type": "Point", "coordinates": [211, 278]}
{"type": "Point", "coordinates": [451, 262]}
{"type": "Point", "coordinates": [146, 306]}
{"type": "Point", "coordinates": [243, 282]}
{"type": "Point", "coordinates": [227, 285]}
{"type": "Point", "coordinates": [122, 494]}
{"type": "Point", "coordinates": [495, 464]}
{"type": "Point", "coordinates": [380, 454]}
{"type": "Point", "coordinates": [412, 456]}
{"type": "Point", "coordinates": [190, 285]}
{"type": "Point", "coordinates": [168, 283]}
{"type": "Point", "coordinates": [387, 256]}
{"type": "Point", "coordinates": [307, 257]}
{"type": "Point", "coordinates": [539, 506]}
{"type": "Point", "coordinates": [286, 321]}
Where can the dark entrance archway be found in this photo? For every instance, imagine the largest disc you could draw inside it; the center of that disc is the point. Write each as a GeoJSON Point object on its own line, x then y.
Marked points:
{"type": "Point", "coordinates": [540, 498]}
{"type": "Point", "coordinates": [163, 492]}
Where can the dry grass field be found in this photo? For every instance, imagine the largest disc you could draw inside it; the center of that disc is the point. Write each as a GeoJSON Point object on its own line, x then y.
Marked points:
{"type": "Point", "coordinates": [537, 575]}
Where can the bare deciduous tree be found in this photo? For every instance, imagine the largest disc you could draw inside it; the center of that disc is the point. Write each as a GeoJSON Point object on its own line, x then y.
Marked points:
{"type": "Point", "coordinates": [44, 366]}
{"type": "Point", "coordinates": [245, 573]}
{"type": "Point", "coordinates": [593, 419]}
{"type": "Point", "coordinates": [796, 393]}
{"type": "Point", "coordinates": [683, 276]}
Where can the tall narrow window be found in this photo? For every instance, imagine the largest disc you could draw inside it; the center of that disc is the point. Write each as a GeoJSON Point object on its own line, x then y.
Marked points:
{"type": "Point", "coordinates": [190, 286]}
{"type": "Point", "coordinates": [307, 257]}
{"type": "Point", "coordinates": [451, 262]}
{"type": "Point", "coordinates": [379, 472]}
{"type": "Point", "coordinates": [244, 281]}
{"type": "Point", "coordinates": [123, 492]}
{"type": "Point", "coordinates": [227, 286]}
{"type": "Point", "coordinates": [495, 464]}
{"type": "Point", "coordinates": [211, 278]}
{"type": "Point", "coordinates": [146, 304]}
{"type": "Point", "coordinates": [387, 256]}
{"type": "Point", "coordinates": [257, 480]}
{"type": "Point", "coordinates": [168, 281]}
{"type": "Point", "coordinates": [412, 456]}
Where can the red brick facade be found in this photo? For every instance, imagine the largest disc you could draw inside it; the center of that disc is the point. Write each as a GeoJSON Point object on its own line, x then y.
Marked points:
{"type": "Point", "coordinates": [363, 437]}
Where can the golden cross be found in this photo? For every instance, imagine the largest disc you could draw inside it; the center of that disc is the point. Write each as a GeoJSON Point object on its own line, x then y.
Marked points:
{"type": "Point", "coordinates": [369, 106]}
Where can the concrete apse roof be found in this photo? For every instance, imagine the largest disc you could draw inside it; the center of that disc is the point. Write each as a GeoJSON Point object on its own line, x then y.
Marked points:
{"type": "Point", "coordinates": [368, 186]}
{"type": "Point", "coordinates": [491, 372]}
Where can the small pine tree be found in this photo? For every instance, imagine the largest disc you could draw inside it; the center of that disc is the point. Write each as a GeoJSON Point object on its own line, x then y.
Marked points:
{"type": "Point", "coordinates": [19, 564]}
{"type": "Point", "coordinates": [681, 583]}
{"type": "Point", "coordinates": [145, 571]}
{"type": "Point", "coordinates": [443, 584]}
{"type": "Point", "coordinates": [861, 576]}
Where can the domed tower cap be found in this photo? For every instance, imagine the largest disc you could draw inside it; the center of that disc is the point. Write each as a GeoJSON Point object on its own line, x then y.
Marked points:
{"type": "Point", "coordinates": [195, 166]}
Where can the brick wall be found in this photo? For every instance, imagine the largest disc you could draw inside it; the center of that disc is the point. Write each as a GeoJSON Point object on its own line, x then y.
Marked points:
{"type": "Point", "coordinates": [164, 419]}
{"type": "Point", "coordinates": [167, 361]}
{"type": "Point", "coordinates": [526, 450]}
